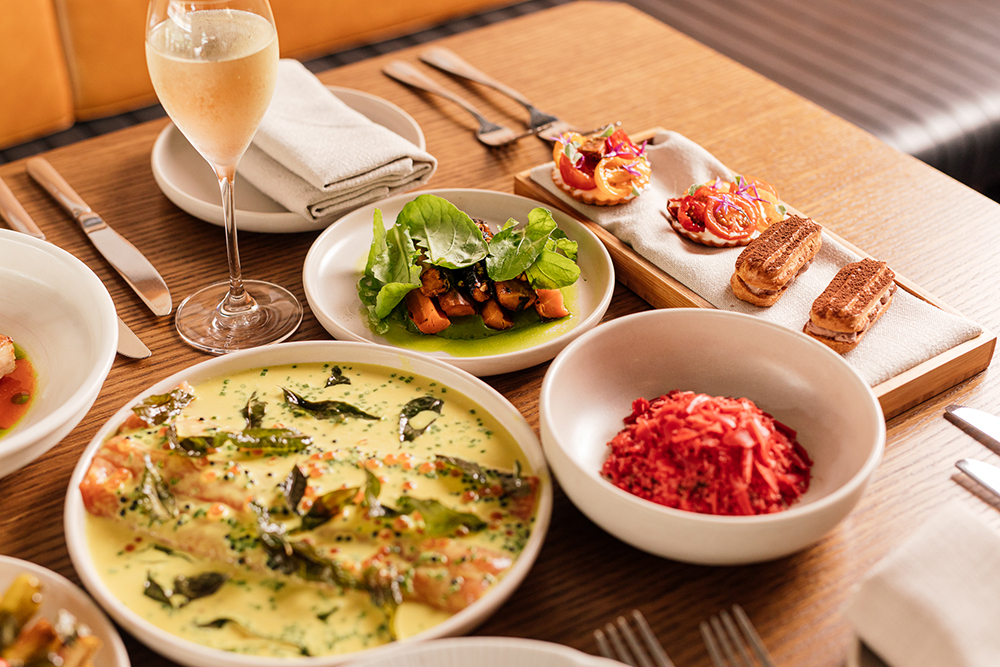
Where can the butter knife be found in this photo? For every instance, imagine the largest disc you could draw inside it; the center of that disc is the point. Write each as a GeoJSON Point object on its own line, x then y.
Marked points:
{"type": "Point", "coordinates": [983, 425]}
{"type": "Point", "coordinates": [11, 210]}
{"type": "Point", "coordinates": [986, 474]}
{"type": "Point", "coordinates": [122, 255]}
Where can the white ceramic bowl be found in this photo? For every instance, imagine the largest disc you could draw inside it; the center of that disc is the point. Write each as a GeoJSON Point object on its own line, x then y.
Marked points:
{"type": "Point", "coordinates": [589, 388]}
{"type": "Point", "coordinates": [60, 313]}
{"type": "Point", "coordinates": [486, 652]}
{"type": "Point", "coordinates": [196, 655]}
{"type": "Point", "coordinates": [60, 593]}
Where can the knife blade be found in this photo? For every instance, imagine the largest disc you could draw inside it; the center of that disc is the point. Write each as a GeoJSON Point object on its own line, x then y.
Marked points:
{"type": "Point", "coordinates": [15, 215]}
{"type": "Point", "coordinates": [984, 426]}
{"type": "Point", "coordinates": [986, 474]}
{"type": "Point", "coordinates": [129, 344]}
{"type": "Point", "coordinates": [137, 271]}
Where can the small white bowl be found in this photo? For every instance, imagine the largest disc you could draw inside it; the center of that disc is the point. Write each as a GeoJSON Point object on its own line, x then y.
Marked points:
{"type": "Point", "coordinates": [589, 388]}
{"type": "Point", "coordinates": [60, 313]}
{"type": "Point", "coordinates": [60, 593]}
{"type": "Point", "coordinates": [196, 655]}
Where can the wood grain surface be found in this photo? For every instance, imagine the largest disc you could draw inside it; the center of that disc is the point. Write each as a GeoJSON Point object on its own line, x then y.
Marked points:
{"type": "Point", "coordinates": [589, 63]}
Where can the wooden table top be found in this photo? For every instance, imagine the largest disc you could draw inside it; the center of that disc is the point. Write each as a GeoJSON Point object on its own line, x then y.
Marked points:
{"type": "Point", "coordinates": [591, 63]}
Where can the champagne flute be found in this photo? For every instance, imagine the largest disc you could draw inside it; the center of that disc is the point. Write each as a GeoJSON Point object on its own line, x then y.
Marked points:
{"type": "Point", "coordinates": [214, 64]}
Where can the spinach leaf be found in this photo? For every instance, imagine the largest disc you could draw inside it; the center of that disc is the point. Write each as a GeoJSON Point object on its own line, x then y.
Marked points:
{"type": "Point", "coordinates": [161, 407]}
{"type": "Point", "coordinates": [391, 271]}
{"type": "Point", "coordinates": [336, 411]}
{"type": "Point", "coordinates": [422, 404]}
{"type": "Point", "coordinates": [438, 519]}
{"type": "Point", "coordinates": [254, 411]}
{"type": "Point", "coordinates": [448, 236]}
{"type": "Point", "coordinates": [337, 377]}
{"type": "Point", "coordinates": [513, 249]}
{"type": "Point", "coordinates": [552, 270]}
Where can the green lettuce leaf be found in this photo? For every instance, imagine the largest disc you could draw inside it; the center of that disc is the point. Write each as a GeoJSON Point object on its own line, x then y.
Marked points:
{"type": "Point", "coordinates": [514, 249]}
{"type": "Point", "coordinates": [448, 236]}
{"type": "Point", "coordinates": [552, 270]}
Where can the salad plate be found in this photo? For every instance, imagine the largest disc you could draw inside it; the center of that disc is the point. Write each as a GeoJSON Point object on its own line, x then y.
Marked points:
{"type": "Point", "coordinates": [188, 181]}
{"type": "Point", "coordinates": [60, 593]}
{"type": "Point", "coordinates": [337, 260]}
{"type": "Point", "coordinates": [85, 539]}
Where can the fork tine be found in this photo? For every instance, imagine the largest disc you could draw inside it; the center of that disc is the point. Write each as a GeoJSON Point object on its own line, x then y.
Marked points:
{"type": "Point", "coordinates": [734, 634]}
{"type": "Point", "coordinates": [722, 637]}
{"type": "Point", "coordinates": [620, 649]}
{"type": "Point", "coordinates": [713, 648]}
{"type": "Point", "coordinates": [602, 644]}
{"type": "Point", "coordinates": [652, 643]}
{"type": "Point", "coordinates": [752, 637]}
{"type": "Point", "coordinates": [633, 643]}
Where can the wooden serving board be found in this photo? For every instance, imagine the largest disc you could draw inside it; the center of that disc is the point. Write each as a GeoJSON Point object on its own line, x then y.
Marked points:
{"type": "Point", "coordinates": [661, 290]}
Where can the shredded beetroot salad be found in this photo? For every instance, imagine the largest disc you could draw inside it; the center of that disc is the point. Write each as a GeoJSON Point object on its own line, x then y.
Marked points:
{"type": "Point", "coordinates": [708, 454]}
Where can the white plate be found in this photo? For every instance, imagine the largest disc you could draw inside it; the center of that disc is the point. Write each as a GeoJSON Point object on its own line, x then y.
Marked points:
{"type": "Point", "coordinates": [188, 181]}
{"type": "Point", "coordinates": [485, 652]}
{"type": "Point", "coordinates": [60, 593]}
{"type": "Point", "coordinates": [337, 258]}
{"type": "Point", "coordinates": [60, 313]}
{"type": "Point", "coordinates": [196, 655]}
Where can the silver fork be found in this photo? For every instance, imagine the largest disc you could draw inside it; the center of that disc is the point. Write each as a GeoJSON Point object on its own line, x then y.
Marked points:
{"type": "Point", "coordinates": [543, 124]}
{"type": "Point", "coordinates": [723, 637]}
{"type": "Point", "coordinates": [490, 134]}
{"type": "Point", "coordinates": [631, 652]}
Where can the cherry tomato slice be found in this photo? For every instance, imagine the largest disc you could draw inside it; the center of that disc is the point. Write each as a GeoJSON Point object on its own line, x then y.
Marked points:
{"type": "Point", "coordinates": [618, 176]}
{"type": "Point", "coordinates": [573, 177]}
{"type": "Point", "coordinates": [730, 217]}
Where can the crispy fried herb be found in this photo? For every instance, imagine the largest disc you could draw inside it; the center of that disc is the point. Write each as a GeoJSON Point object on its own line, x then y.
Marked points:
{"type": "Point", "coordinates": [326, 507]}
{"type": "Point", "coordinates": [194, 447]}
{"type": "Point", "coordinates": [422, 404]}
{"type": "Point", "coordinates": [337, 377]}
{"type": "Point", "coordinates": [293, 488]}
{"type": "Point", "coordinates": [271, 440]}
{"type": "Point", "coordinates": [151, 496]}
{"type": "Point", "coordinates": [153, 590]}
{"type": "Point", "coordinates": [185, 590]}
{"type": "Point", "coordinates": [223, 621]}
{"type": "Point", "coordinates": [161, 407]}
{"type": "Point", "coordinates": [439, 519]}
{"type": "Point", "coordinates": [254, 411]}
{"type": "Point", "coordinates": [336, 411]}
{"type": "Point", "coordinates": [512, 483]}
{"type": "Point", "coordinates": [373, 487]}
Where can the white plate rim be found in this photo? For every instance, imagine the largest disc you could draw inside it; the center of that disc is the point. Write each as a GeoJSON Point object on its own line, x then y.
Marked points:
{"type": "Point", "coordinates": [303, 352]}
{"type": "Point", "coordinates": [484, 365]}
{"type": "Point", "coordinates": [502, 651]}
{"type": "Point", "coordinates": [84, 608]}
{"type": "Point", "coordinates": [266, 221]}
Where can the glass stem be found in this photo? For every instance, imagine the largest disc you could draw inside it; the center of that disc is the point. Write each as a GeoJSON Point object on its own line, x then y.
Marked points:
{"type": "Point", "coordinates": [237, 301]}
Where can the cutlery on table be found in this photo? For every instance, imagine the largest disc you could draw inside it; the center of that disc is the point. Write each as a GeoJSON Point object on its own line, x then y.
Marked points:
{"type": "Point", "coordinates": [630, 651]}
{"type": "Point", "coordinates": [543, 124]}
{"type": "Point", "coordinates": [986, 474]}
{"type": "Point", "coordinates": [11, 210]}
{"type": "Point", "coordinates": [141, 276]}
{"type": "Point", "coordinates": [489, 133]}
{"type": "Point", "coordinates": [727, 646]}
{"type": "Point", "coordinates": [983, 425]}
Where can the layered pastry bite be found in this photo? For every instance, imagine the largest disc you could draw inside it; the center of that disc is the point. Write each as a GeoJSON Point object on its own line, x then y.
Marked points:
{"type": "Point", "coordinates": [603, 169]}
{"type": "Point", "coordinates": [726, 214]}
{"type": "Point", "coordinates": [853, 301]}
{"type": "Point", "coordinates": [772, 261]}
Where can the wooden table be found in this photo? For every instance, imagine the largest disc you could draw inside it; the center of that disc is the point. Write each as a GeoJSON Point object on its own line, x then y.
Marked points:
{"type": "Point", "coordinates": [591, 63]}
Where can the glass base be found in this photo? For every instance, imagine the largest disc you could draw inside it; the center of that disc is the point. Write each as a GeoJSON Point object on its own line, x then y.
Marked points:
{"type": "Point", "coordinates": [204, 321]}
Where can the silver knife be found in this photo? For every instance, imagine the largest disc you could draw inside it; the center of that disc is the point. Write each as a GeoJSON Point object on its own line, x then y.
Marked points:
{"type": "Point", "coordinates": [983, 425]}
{"type": "Point", "coordinates": [986, 474]}
{"type": "Point", "coordinates": [15, 215]}
{"type": "Point", "coordinates": [11, 210]}
{"type": "Point", "coordinates": [122, 255]}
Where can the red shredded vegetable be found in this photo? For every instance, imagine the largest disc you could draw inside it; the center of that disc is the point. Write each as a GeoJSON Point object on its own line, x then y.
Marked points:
{"type": "Point", "coordinates": [708, 454]}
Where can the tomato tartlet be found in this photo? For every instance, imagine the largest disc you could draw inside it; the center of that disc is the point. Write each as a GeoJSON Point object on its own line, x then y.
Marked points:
{"type": "Point", "coordinates": [708, 454]}
{"type": "Point", "coordinates": [726, 214]}
{"type": "Point", "coordinates": [604, 168]}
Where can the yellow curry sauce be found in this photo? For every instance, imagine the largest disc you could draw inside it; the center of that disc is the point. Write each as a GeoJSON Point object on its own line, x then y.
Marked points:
{"type": "Point", "coordinates": [273, 546]}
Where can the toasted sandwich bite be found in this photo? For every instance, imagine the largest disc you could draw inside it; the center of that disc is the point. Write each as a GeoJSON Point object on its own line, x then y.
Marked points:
{"type": "Point", "coordinates": [852, 302]}
{"type": "Point", "coordinates": [772, 261]}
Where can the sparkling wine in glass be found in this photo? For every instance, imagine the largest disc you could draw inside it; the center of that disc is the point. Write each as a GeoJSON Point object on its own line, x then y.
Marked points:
{"type": "Point", "coordinates": [214, 64]}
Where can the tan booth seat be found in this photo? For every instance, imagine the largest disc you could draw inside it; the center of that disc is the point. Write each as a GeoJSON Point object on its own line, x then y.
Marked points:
{"type": "Point", "coordinates": [105, 53]}
{"type": "Point", "coordinates": [35, 97]}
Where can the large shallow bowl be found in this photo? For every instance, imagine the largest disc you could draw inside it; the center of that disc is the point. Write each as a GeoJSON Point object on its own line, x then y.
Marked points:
{"type": "Point", "coordinates": [589, 388]}
{"type": "Point", "coordinates": [196, 655]}
{"type": "Point", "coordinates": [60, 593]}
{"type": "Point", "coordinates": [60, 313]}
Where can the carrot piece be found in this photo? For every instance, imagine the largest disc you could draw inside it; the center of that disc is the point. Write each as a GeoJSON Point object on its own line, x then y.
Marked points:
{"type": "Point", "coordinates": [494, 316]}
{"type": "Point", "coordinates": [550, 304]}
{"type": "Point", "coordinates": [425, 313]}
{"type": "Point", "coordinates": [455, 305]}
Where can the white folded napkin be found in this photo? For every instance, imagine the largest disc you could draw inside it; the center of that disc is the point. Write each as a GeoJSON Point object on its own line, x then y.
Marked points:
{"type": "Point", "coordinates": [934, 601]}
{"type": "Point", "coordinates": [910, 332]}
{"type": "Point", "coordinates": [315, 156]}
